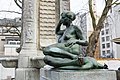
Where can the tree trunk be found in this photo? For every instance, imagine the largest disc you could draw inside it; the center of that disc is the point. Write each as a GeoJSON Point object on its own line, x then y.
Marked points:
{"type": "Point", "coordinates": [93, 39]}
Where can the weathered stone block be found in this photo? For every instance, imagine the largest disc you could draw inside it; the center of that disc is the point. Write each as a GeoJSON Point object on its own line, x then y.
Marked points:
{"type": "Point", "coordinates": [27, 74]}
{"type": "Point", "coordinates": [77, 74]}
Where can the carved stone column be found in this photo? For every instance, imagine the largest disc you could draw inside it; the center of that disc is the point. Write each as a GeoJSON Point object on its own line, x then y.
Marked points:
{"type": "Point", "coordinates": [26, 69]}
{"type": "Point", "coordinates": [30, 33]}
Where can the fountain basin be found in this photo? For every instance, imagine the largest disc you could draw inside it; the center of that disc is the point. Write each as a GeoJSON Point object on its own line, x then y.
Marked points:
{"type": "Point", "coordinates": [9, 61]}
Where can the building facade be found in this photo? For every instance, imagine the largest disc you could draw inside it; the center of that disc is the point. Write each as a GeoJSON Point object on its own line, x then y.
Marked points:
{"type": "Point", "coordinates": [109, 32]}
{"type": "Point", "coordinates": [9, 42]}
{"type": "Point", "coordinates": [10, 30]}
{"type": "Point", "coordinates": [115, 23]}
{"type": "Point", "coordinates": [105, 40]}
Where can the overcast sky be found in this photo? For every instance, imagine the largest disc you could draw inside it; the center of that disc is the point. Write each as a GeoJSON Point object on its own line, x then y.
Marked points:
{"type": "Point", "coordinates": [9, 5]}
{"type": "Point", "coordinates": [82, 5]}
{"type": "Point", "coordinates": [76, 5]}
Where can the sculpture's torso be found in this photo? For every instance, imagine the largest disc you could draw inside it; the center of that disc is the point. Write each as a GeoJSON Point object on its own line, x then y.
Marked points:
{"type": "Point", "coordinates": [68, 34]}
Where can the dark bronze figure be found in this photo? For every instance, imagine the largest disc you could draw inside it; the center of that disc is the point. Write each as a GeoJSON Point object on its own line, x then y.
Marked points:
{"type": "Point", "coordinates": [68, 52]}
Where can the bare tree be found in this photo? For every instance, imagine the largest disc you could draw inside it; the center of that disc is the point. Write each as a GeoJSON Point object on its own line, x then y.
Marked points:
{"type": "Point", "coordinates": [93, 39]}
{"type": "Point", "coordinates": [18, 2]}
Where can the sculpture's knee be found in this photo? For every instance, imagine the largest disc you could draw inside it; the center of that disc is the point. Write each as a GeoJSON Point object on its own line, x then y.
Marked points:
{"type": "Point", "coordinates": [46, 50]}
{"type": "Point", "coordinates": [49, 60]}
{"type": "Point", "coordinates": [45, 59]}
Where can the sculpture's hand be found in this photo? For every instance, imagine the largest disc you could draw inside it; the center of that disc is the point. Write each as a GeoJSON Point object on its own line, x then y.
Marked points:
{"type": "Point", "coordinates": [82, 42]}
{"type": "Point", "coordinates": [61, 21]}
{"type": "Point", "coordinates": [70, 43]}
{"type": "Point", "coordinates": [58, 26]}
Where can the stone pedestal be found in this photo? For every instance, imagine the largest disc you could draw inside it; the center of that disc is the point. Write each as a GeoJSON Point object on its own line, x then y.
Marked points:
{"type": "Point", "coordinates": [77, 74]}
{"type": "Point", "coordinates": [27, 74]}
{"type": "Point", "coordinates": [26, 70]}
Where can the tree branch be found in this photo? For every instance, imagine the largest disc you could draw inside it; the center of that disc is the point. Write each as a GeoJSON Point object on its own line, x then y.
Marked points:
{"type": "Point", "coordinates": [92, 14]}
{"type": "Point", "coordinates": [20, 1]}
{"type": "Point", "coordinates": [18, 4]}
{"type": "Point", "coordinates": [104, 14]}
{"type": "Point", "coordinates": [105, 1]}
{"type": "Point", "coordinates": [115, 2]}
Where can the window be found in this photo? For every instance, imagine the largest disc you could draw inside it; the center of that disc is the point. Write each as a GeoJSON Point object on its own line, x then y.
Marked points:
{"type": "Point", "coordinates": [14, 42]}
{"type": "Point", "coordinates": [108, 45]}
{"type": "Point", "coordinates": [106, 24]}
{"type": "Point", "coordinates": [103, 39]}
{"type": "Point", "coordinates": [103, 52]}
{"type": "Point", "coordinates": [2, 39]}
{"type": "Point", "coordinates": [107, 38]}
{"type": "Point", "coordinates": [108, 51]}
{"type": "Point", "coordinates": [103, 46]}
{"type": "Point", "coordinates": [102, 32]}
{"type": "Point", "coordinates": [107, 31]}
{"type": "Point", "coordinates": [18, 42]}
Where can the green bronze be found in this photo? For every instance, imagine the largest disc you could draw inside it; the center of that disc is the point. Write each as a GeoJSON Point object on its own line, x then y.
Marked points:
{"type": "Point", "coordinates": [68, 52]}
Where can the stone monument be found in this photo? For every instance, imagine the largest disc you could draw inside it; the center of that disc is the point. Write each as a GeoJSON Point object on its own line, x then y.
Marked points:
{"type": "Point", "coordinates": [28, 63]}
{"type": "Point", "coordinates": [67, 59]}
{"type": "Point", "coordinates": [37, 14]}
{"type": "Point", "coordinates": [27, 60]}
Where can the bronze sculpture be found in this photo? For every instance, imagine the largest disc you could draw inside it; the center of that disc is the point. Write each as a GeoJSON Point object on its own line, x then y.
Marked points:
{"type": "Point", "coordinates": [68, 53]}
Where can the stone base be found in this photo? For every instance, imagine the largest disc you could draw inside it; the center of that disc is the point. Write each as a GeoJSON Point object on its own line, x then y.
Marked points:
{"type": "Point", "coordinates": [27, 74]}
{"type": "Point", "coordinates": [77, 74]}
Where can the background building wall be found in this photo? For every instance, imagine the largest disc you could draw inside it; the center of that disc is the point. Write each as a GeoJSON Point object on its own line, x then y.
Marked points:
{"type": "Point", "coordinates": [112, 25]}
{"type": "Point", "coordinates": [105, 41]}
{"type": "Point", "coordinates": [2, 41]}
{"type": "Point", "coordinates": [115, 29]}
{"type": "Point", "coordinates": [49, 15]}
{"type": "Point", "coordinates": [47, 21]}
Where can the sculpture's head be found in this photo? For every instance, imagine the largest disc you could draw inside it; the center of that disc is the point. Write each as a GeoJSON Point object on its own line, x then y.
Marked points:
{"type": "Point", "coordinates": [68, 17]}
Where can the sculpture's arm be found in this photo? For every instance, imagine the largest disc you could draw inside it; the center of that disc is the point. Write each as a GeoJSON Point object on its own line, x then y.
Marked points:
{"type": "Point", "coordinates": [81, 39]}
{"type": "Point", "coordinates": [58, 26]}
{"type": "Point", "coordinates": [82, 42]}
{"type": "Point", "coordinates": [72, 42]}
{"type": "Point", "coordinates": [79, 33]}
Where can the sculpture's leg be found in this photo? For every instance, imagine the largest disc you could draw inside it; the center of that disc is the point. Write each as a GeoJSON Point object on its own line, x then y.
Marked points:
{"type": "Point", "coordinates": [95, 63]}
{"type": "Point", "coordinates": [59, 62]}
{"type": "Point", "coordinates": [100, 66]}
{"type": "Point", "coordinates": [88, 65]}
{"type": "Point", "coordinates": [54, 51]}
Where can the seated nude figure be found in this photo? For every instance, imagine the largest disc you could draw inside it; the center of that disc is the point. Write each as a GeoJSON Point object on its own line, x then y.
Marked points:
{"type": "Point", "coordinates": [68, 52]}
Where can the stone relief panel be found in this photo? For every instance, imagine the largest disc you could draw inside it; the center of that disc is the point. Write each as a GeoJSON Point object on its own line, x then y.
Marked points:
{"type": "Point", "coordinates": [64, 5]}
{"type": "Point", "coordinates": [29, 32]}
{"type": "Point", "coordinates": [47, 22]}
{"type": "Point", "coordinates": [29, 15]}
